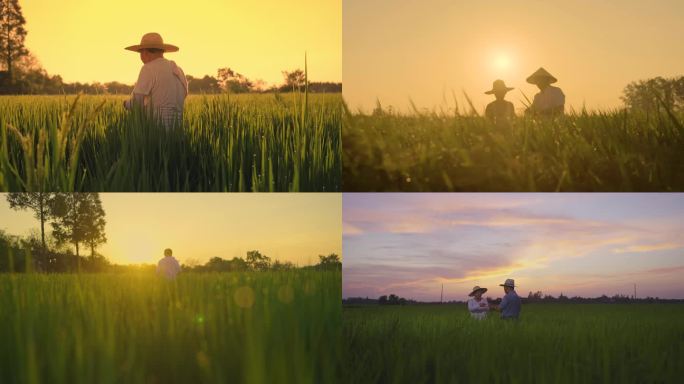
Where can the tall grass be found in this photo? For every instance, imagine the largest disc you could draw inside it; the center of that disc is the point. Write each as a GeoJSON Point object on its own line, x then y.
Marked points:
{"type": "Point", "coordinates": [430, 151]}
{"type": "Point", "coordinates": [551, 343]}
{"type": "Point", "coordinates": [212, 328]}
{"type": "Point", "coordinates": [266, 142]}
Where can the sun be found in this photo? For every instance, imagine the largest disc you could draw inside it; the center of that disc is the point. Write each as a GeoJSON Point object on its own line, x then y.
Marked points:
{"type": "Point", "coordinates": [502, 61]}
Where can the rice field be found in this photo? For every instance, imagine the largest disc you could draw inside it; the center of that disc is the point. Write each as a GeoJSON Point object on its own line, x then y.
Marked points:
{"type": "Point", "coordinates": [583, 151]}
{"type": "Point", "coordinates": [249, 327]}
{"type": "Point", "coordinates": [260, 142]}
{"type": "Point", "coordinates": [551, 343]}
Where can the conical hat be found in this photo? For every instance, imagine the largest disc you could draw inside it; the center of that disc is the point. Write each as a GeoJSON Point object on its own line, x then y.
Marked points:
{"type": "Point", "coordinates": [541, 73]}
{"type": "Point", "coordinates": [154, 41]}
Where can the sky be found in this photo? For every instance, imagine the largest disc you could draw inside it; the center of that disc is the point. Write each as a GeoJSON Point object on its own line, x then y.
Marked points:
{"type": "Point", "coordinates": [575, 244]}
{"type": "Point", "coordinates": [295, 227]}
{"type": "Point", "coordinates": [401, 50]}
{"type": "Point", "coordinates": [84, 40]}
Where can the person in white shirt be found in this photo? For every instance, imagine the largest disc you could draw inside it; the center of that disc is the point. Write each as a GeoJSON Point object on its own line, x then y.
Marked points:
{"type": "Point", "coordinates": [161, 87]}
{"type": "Point", "coordinates": [478, 306]}
{"type": "Point", "coordinates": [168, 266]}
{"type": "Point", "coordinates": [550, 101]}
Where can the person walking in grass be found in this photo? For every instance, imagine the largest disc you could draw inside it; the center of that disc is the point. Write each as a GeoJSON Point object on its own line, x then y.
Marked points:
{"type": "Point", "coordinates": [550, 100]}
{"type": "Point", "coordinates": [510, 304]}
{"type": "Point", "coordinates": [161, 87]}
{"type": "Point", "coordinates": [168, 266]}
{"type": "Point", "coordinates": [478, 306]}
{"type": "Point", "coordinates": [499, 110]}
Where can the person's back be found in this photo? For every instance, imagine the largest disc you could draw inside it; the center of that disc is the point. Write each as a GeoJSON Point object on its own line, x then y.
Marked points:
{"type": "Point", "coordinates": [510, 305]}
{"type": "Point", "coordinates": [161, 82]}
{"type": "Point", "coordinates": [549, 101]}
{"type": "Point", "coordinates": [168, 266]}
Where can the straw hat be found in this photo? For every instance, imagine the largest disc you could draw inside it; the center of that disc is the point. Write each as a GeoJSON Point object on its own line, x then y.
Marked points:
{"type": "Point", "coordinates": [508, 283]}
{"type": "Point", "coordinates": [498, 86]}
{"type": "Point", "coordinates": [152, 40]}
{"type": "Point", "coordinates": [477, 288]}
{"type": "Point", "coordinates": [541, 73]}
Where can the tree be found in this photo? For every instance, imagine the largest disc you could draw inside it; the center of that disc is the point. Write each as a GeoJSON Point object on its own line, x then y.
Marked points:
{"type": "Point", "coordinates": [654, 93]}
{"type": "Point", "coordinates": [257, 261]}
{"type": "Point", "coordinates": [12, 35]}
{"type": "Point", "coordinates": [295, 79]}
{"type": "Point", "coordinates": [78, 218]}
{"type": "Point", "coordinates": [234, 82]}
{"type": "Point", "coordinates": [332, 261]}
{"type": "Point", "coordinates": [38, 202]}
{"type": "Point", "coordinates": [382, 300]}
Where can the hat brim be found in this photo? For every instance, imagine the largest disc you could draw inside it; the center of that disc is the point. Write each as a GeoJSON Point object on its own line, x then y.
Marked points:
{"type": "Point", "coordinates": [165, 47]}
{"type": "Point", "coordinates": [504, 285]}
{"type": "Point", "coordinates": [478, 290]}
{"type": "Point", "coordinates": [493, 91]}
{"type": "Point", "coordinates": [535, 79]}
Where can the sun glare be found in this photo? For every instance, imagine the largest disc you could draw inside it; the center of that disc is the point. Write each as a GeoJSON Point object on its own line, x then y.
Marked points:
{"type": "Point", "coordinates": [502, 61]}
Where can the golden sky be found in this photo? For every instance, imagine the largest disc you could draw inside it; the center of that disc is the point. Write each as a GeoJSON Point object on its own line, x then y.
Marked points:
{"type": "Point", "coordinates": [84, 40]}
{"type": "Point", "coordinates": [400, 49]}
{"type": "Point", "coordinates": [294, 227]}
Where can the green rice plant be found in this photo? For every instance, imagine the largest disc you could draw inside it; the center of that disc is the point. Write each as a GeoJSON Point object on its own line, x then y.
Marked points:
{"type": "Point", "coordinates": [583, 151]}
{"type": "Point", "coordinates": [261, 142]}
{"type": "Point", "coordinates": [242, 327]}
{"type": "Point", "coordinates": [551, 343]}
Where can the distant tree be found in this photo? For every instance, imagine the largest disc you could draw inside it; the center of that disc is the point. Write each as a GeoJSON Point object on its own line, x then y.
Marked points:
{"type": "Point", "coordinates": [258, 262]}
{"type": "Point", "coordinates": [39, 203]}
{"type": "Point", "coordinates": [207, 84]}
{"type": "Point", "coordinates": [295, 79]}
{"type": "Point", "coordinates": [78, 218]}
{"type": "Point", "coordinates": [654, 93]}
{"type": "Point", "coordinates": [12, 35]}
{"type": "Point", "coordinates": [331, 261]}
{"type": "Point", "coordinates": [217, 264]}
{"type": "Point", "coordinates": [393, 299]}
{"type": "Point", "coordinates": [233, 82]}
{"type": "Point", "coordinates": [382, 300]}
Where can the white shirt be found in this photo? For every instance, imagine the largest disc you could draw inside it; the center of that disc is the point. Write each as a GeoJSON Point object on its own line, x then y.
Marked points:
{"type": "Point", "coordinates": [478, 309]}
{"type": "Point", "coordinates": [548, 99]}
{"type": "Point", "coordinates": [168, 267]}
{"type": "Point", "coordinates": [164, 86]}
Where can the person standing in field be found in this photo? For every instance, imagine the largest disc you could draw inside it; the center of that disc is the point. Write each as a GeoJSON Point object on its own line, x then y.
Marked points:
{"type": "Point", "coordinates": [499, 110]}
{"type": "Point", "coordinates": [550, 101]}
{"type": "Point", "coordinates": [478, 306]}
{"type": "Point", "coordinates": [168, 266]}
{"type": "Point", "coordinates": [510, 304]}
{"type": "Point", "coordinates": [161, 87]}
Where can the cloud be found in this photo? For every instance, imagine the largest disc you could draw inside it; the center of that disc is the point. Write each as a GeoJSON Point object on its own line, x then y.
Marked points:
{"type": "Point", "coordinates": [640, 248]}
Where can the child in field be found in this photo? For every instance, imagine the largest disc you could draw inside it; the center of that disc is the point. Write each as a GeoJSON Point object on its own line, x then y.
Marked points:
{"type": "Point", "coordinates": [499, 110]}
{"type": "Point", "coordinates": [478, 306]}
{"type": "Point", "coordinates": [168, 266]}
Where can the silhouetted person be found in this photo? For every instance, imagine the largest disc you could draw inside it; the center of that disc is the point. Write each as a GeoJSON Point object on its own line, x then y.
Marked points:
{"type": "Point", "coordinates": [168, 266]}
{"type": "Point", "coordinates": [510, 304]}
{"type": "Point", "coordinates": [550, 100]}
{"type": "Point", "coordinates": [499, 110]}
{"type": "Point", "coordinates": [477, 306]}
{"type": "Point", "coordinates": [161, 87]}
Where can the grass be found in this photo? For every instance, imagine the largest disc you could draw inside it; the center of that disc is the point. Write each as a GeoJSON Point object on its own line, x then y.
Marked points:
{"type": "Point", "coordinates": [551, 343]}
{"type": "Point", "coordinates": [602, 151]}
{"type": "Point", "coordinates": [264, 142]}
{"type": "Point", "coordinates": [245, 327]}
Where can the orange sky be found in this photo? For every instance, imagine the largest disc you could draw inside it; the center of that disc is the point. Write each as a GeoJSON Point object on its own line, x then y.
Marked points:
{"type": "Point", "coordinates": [294, 227]}
{"type": "Point", "coordinates": [396, 50]}
{"type": "Point", "coordinates": [83, 40]}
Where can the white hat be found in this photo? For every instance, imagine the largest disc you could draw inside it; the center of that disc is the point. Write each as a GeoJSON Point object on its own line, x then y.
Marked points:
{"type": "Point", "coordinates": [152, 40]}
{"type": "Point", "coordinates": [508, 283]}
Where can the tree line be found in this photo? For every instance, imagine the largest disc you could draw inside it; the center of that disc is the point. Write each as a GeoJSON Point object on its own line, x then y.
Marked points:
{"type": "Point", "coordinates": [23, 74]}
{"type": "Point", "coordinates": [78, 222]}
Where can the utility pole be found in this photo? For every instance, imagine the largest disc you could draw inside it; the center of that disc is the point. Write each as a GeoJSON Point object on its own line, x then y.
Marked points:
{"type": "Point", "coordinates": [441, 297]}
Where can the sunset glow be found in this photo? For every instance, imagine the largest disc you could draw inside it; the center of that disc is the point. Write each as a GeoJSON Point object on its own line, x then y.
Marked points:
{"type": "Point", "coordinates": [575, 244]}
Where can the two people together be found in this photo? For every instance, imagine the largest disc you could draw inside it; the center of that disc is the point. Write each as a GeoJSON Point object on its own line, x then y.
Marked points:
{"type": "Point", "coordinates": [549, 101]}
{"type": "Point", "coordinates": [509, 306]}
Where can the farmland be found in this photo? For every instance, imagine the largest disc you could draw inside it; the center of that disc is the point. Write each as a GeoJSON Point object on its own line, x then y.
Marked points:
{"type": "Point", "coordinates": [551, 343]}
{"type": "Point", "coordinates": [247, 327]}
{"type": "Point", "coordinates": [261, 142]}
{"type": "Point", "coordinates": [584, 151]}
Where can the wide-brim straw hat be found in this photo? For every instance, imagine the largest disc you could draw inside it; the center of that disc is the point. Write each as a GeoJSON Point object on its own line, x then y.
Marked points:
{"type": "Point", "coordinates": [152, 40]}
{"type": "Point", "coordinates": [498, 86]}
{"type": "Point", "coordinates": [477, 288]}
{"type": "Point", "coordinates": [541, 73]}
{"type": "Point", "coordinates": [508, 283]}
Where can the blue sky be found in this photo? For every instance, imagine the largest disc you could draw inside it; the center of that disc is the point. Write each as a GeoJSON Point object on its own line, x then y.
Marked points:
{"type": "Point", "coordinates": [577, 244]}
